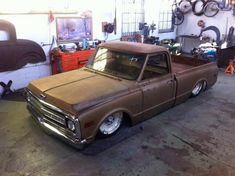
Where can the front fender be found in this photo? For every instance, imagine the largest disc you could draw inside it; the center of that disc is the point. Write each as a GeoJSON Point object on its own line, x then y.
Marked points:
{"type": "Point", "coordinates": [91, 119]}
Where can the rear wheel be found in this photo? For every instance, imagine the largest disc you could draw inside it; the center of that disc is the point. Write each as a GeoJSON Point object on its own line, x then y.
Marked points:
{"type": "Point", "coordinates": [197, 89]}
{"type": "Point", "coordinates": [111, 124]}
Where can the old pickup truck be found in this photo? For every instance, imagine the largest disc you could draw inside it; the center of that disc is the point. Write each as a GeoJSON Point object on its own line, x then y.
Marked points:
{"type": "Point", "coordinates": [122, 81]}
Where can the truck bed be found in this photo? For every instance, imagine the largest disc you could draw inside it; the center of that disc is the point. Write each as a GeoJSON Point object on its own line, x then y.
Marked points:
{"type": "Point", "coordinates": [183, 63]}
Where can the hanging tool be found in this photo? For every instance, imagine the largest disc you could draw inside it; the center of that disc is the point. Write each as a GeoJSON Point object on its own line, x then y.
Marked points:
{"type": "Point", "coordinates": [232, 2]}
{"type": "Point", "coordinates": [224, 42]}
{"type": "Point", "coordinates": [230, 36]}
{"type": "Point", "coordinates": [215, 29]}
{"type": "Point", "coordinates": [115, 19]}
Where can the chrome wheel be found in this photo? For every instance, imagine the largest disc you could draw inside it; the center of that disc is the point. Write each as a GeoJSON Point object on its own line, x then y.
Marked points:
{"type": "Point", "coordinates": [197, 89]}
{"type": "Point", "coordinates": [111, 124]}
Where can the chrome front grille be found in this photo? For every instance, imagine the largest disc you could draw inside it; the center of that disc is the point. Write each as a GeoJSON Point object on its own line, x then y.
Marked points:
{"type": "Point", "coordinates": [54, 119]}
{"type": "Point", "coordinates": [53, 116]}
{"type": "Point", "coordinates": [46, 112]}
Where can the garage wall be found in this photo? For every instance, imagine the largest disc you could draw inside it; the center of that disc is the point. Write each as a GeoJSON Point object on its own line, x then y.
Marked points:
{"type": "Point", "coordinates": [189, 25]}
{"type": "Point", "coordinates": [33, 27]}
{"type": "Point", "coordinates": [152, 16]}
{"type": "Point", "coordinates": [36, 27]}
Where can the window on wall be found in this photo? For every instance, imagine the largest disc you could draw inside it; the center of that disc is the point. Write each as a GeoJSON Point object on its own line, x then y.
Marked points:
{"type": "Point", "coordinates": [165, 18]}
{"type": "Point", "coordinates": [4, 35]}
{"type": "Point", "coordinates": [132, 15]}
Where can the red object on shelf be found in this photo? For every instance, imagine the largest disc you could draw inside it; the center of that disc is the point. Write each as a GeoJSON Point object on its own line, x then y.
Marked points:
{"type": "Point", "coordinates": [66, 61]}
{"type": "Point", "coordinates": [83, 57]}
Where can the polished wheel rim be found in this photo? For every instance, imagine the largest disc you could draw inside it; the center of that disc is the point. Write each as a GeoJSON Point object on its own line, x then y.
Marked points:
{"type": "Point", "coordinates": [111, 123]}
{"type": "Point", "coordinates": [197, 89]}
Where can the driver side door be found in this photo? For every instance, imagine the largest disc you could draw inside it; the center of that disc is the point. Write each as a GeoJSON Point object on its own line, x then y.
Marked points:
{"type": "Point", "coordinates": [157, 84]}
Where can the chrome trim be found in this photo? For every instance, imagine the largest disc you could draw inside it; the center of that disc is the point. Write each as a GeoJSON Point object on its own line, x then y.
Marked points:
{"type": "Point", "coordinates": [50, 105]}
{"type": "Point", "coordinates": [53, 116]}
{"type": "Point", "coordinates": [46, 112]}
{"type": "Point", "coordinates": [57, 131]}
{"type": "Point", "coordinates": [52, 119]}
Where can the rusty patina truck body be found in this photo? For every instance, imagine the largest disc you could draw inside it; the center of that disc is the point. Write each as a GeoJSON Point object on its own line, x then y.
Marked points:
{"type": "Point", "coordinates": [122, 81]}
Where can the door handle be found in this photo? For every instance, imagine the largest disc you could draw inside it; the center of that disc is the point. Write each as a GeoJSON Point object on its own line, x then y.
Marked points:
{"type": "Point", "coordinates": [169, 82]}
{"type": "Point", "coordinates": [145, 84]}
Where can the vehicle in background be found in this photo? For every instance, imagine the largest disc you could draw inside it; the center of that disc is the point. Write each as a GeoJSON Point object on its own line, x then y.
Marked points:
{"type": "Point", "coordinates": [16, 53]}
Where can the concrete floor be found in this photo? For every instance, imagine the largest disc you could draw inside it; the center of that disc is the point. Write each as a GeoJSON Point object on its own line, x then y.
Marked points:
{"type": "Point", "coordinates": [196, 138]}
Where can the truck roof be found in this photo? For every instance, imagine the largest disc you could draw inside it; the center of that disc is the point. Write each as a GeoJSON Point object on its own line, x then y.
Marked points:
{"type": "Point", "coordinates": [133, 47]}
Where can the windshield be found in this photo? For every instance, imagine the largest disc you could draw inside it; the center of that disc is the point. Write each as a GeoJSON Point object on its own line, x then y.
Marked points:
{"type": "Point", "coordinates": [119, 64]}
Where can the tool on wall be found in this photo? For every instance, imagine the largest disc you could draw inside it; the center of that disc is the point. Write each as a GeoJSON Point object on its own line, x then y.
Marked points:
{"type": "Point", "coordinates": [107, 27]}
{"type": "Point", "coordinates": [210, 8]}
{"type": "Point", "coordinates": [110, 27]}
{"type": "Point", "coordinates": [215, 29]}
{"type": "Point", "coordinates": [177, 14]}
{"type": "Point", "coordinates": [145, 29]}
{"type": "Point", "coordinates": [201, 23]}
{"type": "Point", "coordinates": [185, 6]}
{"type": "Point", "coordinates": [232, 2]}
{"type": "Point", "coordinates": [224, 5]}
{"type": "Point", "coordinates": [230, 36]}
{"type": "Point", "coordinates": [115, 18]}
{"type": "Point", "coordinates": [224, 42]}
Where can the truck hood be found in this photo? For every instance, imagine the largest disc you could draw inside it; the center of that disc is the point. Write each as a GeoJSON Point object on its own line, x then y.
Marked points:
{"type": "Point", "coordinates": [75, 90]}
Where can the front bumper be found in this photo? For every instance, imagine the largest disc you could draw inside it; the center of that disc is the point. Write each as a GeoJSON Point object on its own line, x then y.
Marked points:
{"type": "Point", "coordinates": [53, 127]}
{"type": "Point", "coordinates": [56, 131]}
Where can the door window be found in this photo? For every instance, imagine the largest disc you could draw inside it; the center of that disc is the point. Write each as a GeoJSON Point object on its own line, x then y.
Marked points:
{"type": "Point", "coordinates": [156, 66]}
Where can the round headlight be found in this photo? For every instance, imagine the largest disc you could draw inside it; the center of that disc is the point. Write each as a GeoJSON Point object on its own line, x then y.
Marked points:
{"type": "Point", "coordinates": [28, 97]}
{"type": "Point", "coordinates": [71, 125]}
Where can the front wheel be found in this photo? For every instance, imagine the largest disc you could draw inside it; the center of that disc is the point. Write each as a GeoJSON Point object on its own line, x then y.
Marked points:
{"type": "Point", "coordinates": [111, 124]}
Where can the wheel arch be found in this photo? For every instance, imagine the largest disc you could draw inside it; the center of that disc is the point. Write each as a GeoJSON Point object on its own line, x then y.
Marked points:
{"type": "Point", "coordinates": [203, 88]}
{"type": "Point", "coordinates": [126, 114]}
{"type": "Point", "coordinates": [204, 80]}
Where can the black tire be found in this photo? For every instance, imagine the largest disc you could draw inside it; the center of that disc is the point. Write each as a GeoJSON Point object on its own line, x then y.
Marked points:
{"type": "Point", "coordinates": [177, 17]}
{"type": "Point", "coordinates": [204, 87]}
{"type": "Point", "coordinates": [211, 8]}
{"type": "Point", "coordinates": [198, 6]}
